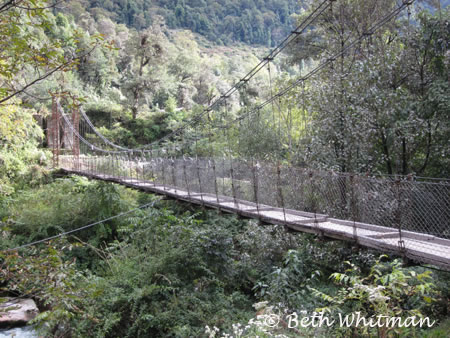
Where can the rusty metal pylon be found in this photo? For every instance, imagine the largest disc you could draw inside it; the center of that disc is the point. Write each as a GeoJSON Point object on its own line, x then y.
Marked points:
{"type": "Point", "coordinates": [53, 135]}
{"type": "Point", "coordinates": [76, 140]}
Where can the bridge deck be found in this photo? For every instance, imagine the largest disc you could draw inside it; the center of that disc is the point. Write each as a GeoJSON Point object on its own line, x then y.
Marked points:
{"type": "Point", "coordinates": [417, 246]}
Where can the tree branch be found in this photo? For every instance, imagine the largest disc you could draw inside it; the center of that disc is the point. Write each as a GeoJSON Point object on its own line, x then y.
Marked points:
{"type": "Point", "coordinates": [43, 77]}
{"type": "Point", "coordinates": [8, 5]}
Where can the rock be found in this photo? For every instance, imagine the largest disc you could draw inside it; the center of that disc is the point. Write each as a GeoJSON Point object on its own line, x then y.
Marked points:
{"type": "Point", "coordinates": [16, 312]}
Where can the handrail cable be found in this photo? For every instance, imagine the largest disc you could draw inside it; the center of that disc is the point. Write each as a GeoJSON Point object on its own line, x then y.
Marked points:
{"type": "Point", "coordinates": [82, 228]}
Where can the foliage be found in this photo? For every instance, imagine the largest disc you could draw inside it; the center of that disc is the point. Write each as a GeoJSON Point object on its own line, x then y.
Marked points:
{"type": "Point", "coordinates": [64, 205]}
{"type": "Point", "coordinates": [382, 106]}
{"type": "Point", "coordinates": [196, 268]}
{"type": "Point", "coordinates": [307, 264]}
{"type": "Point", "coordinates": [388, 290]}
{"type": "Point", "coordinates": [438, 332]}
{"type": "Point", "coordinates": [52, 281]}
{"type": "Point", "coordinates": [35, 45]}
{"type": "Point", "coordinates": [249, 21]}
{"type": "Point", "coordinates": [171, 270]}
{"type": "Point", "coordinates": [21, 46]}
{"type": "Point", "coordinates": [19, 156]}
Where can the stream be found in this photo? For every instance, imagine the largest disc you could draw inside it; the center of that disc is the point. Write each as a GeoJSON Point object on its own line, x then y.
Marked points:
{"type": "Point", "coordinates": [19, 332]}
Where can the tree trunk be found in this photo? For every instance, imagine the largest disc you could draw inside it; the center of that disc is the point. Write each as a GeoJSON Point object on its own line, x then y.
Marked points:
{"type": "Point", "coordinates": [386, 152]}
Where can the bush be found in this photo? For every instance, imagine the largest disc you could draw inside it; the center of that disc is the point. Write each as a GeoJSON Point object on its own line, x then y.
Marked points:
{"type": "Point", "coordinates": [64, 205]}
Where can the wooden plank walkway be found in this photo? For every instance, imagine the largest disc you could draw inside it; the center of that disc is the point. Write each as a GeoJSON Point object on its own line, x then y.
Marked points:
{"type": "Point", "coordinates": [418, 247]}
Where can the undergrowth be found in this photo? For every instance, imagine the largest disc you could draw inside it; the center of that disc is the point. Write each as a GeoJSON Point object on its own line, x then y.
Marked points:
{"type": "Point", "coordinates": [172, 269]}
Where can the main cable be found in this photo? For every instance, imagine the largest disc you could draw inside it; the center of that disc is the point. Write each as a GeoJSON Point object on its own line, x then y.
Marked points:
{"type": "Point", "coordinates": [89, 122]}
{"type": "Point", "coordinates": [77, 134]}
{"type": "Point", "coordinates": [294, 35]}
{"type": "Point", "coordinates": [320, 67]}
{"type": "Point", "coordinates": [265, 61]}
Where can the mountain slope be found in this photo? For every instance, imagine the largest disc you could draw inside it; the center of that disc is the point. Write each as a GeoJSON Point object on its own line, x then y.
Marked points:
{"type": "Point", "coordinates": [251, 21]}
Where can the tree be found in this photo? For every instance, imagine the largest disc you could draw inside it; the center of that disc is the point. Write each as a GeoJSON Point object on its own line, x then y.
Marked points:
{"type": "Point", "coordinates": [27, 54]}
{"type": "Point", "coordinates": [144, 56]}
{"type": "Point", "coordinates": [373, 107]}
{"type": "Point", "coordinates": [206, 17]}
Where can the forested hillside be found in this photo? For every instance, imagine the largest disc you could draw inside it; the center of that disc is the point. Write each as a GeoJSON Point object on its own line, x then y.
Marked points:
{"type": "Point", "coordinates": [254, 22]}
{"type": "Point", "coordinates": [343, 99]}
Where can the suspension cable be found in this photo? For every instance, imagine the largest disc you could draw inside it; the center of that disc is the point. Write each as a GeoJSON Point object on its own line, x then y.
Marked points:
{"type": "Point", "coordinates": [281, 93]}
{"type": "Point", "coordinates": [293, 36]}
{"type": "Point", "coordinates": [89, 122]}
{"type": "Point", "coordinates": [321, 66]}
{"type": "Point", "coordinates": [148, 205]}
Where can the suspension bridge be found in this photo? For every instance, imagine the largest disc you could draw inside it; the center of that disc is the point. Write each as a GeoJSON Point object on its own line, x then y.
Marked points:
{"type": "Point", "coordinates": [405, 215]}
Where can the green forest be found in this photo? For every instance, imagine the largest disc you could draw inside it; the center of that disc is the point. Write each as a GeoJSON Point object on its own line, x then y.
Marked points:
{"type": "Point", "coordinates": [368, 94]}
{"type": "Point", "coordinates": [222, 22]}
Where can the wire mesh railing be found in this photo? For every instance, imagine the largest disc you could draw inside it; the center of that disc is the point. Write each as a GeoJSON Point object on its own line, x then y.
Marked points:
{"type": "Point", "coordinates": [404, 214]}
{"type": "Point", "coordinates": [406, 204]}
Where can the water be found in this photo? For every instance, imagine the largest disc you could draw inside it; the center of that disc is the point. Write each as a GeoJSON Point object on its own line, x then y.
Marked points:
{"type": "Point", "coordinates": [19, 332]}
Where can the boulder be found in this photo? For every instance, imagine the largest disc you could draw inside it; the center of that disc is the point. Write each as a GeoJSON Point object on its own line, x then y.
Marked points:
{"type": "Point", "coordinates": [16, 312]}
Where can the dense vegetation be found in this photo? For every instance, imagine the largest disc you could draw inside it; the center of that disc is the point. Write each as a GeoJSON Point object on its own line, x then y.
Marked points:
{"type": "Point", "coordinates": [223, 22]}
{"type": "Point", "coordinates": [172, 270]}
{"type": "Point", "coordinates": [380, 107]}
